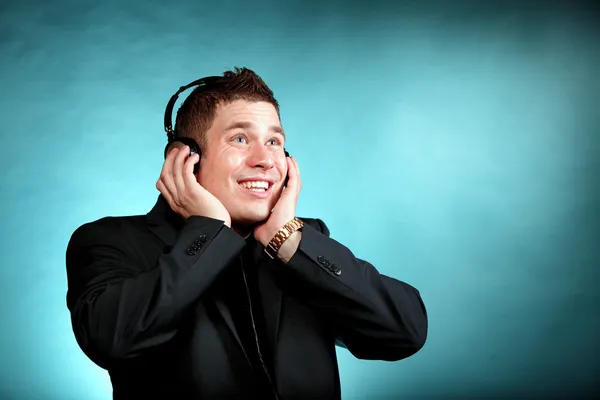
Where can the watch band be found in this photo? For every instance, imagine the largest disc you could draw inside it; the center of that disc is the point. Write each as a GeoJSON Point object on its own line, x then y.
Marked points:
{"type": "Point", "coordinates": [282, 235]}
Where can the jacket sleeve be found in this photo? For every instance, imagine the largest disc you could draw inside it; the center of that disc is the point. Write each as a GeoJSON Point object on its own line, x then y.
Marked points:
{"type": "Point", "coordinates": [121, 309]}
{"type": "Point", "coordinates": [374, 316]}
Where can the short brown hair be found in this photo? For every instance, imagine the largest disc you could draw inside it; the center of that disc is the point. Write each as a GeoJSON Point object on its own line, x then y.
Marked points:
{"type": "Point", "coordinates": [197, 113]}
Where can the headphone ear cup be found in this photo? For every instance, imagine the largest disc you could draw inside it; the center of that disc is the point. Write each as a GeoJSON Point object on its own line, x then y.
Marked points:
{"type": "Point", "coordinates": [194, 149]}
{"type": "Point", "coordinates": [191, 143]}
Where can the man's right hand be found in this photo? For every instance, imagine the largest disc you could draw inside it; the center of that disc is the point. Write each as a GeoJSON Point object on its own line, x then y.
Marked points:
{"type": "Point", "coordinates": [185, 195]}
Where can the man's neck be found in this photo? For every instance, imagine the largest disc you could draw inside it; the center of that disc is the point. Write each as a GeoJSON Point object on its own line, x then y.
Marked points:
{"type": "Point", "coordinates": [244, 231]}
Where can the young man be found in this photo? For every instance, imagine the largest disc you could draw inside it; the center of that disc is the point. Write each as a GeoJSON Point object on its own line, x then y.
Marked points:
{"type": "Point", "coordinates": [209, 295]}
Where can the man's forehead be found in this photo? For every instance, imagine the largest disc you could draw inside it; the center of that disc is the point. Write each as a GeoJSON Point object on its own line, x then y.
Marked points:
{"type": "Point", "coordinates": [241, 106]}
{"type": "Point", "coordinates": [248, 124]}
{"type": "Point", "coordinates": [241, 114]}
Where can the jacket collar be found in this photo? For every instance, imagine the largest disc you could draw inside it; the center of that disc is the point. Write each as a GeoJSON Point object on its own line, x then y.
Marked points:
{"type": "Point", "coordinates": [164, 222]}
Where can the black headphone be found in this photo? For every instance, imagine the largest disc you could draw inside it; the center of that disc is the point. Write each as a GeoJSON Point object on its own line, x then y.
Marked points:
{"type": "Point", "coordinates": [172, 136]}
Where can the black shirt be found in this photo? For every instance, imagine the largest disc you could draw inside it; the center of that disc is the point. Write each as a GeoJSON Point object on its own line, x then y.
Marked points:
{"type": "Point", "coordinates": [246, 309]}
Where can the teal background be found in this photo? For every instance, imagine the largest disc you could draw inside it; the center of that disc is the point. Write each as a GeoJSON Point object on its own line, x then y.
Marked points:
{"type": "Point", "coordinates": [455, 145]}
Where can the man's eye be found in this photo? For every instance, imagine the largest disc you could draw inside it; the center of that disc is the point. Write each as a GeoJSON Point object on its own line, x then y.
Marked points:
{"type": "Point", "coordinates": [241, 139]}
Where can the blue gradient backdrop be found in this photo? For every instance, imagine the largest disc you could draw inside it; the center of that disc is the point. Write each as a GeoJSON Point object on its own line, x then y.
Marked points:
{"type": "Point", "coordinates": [455, 145]}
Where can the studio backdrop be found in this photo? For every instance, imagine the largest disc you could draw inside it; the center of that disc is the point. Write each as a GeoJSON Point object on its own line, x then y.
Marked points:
{"type": "Point", "coordinates": [455, 145]}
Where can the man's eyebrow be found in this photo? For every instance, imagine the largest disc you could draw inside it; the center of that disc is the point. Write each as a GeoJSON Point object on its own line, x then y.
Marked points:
{"type": "Point", "coordinates": [248, 125]}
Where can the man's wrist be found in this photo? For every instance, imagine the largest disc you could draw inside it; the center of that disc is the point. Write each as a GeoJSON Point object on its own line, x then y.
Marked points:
{"type": "Point", "coordinates": [289, 247]}
{"type": "Point", "coordinates": [273, 247]}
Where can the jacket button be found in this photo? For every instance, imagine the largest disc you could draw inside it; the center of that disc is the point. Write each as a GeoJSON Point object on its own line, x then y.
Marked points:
{"type": "Point", "coordinates": [321, 259]}
{"type": "Point", "coordinates": [199, 242]}
{"type": "Point", "coordinates": [334, 268]}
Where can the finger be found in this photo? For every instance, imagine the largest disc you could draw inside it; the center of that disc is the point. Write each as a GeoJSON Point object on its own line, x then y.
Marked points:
{"type": "Point", "coordinates": [165, 192]}
{"type": "Point", "coordinates": [298, 177]}
{"type": "Point", "coordinates": [161, 187]}
{"type": "Point", "coordinates": [293, 171]}
{"type": "Point", "coordinates": [176, 145]}
{"type": "Point", "coordinates": [297, 182]}
{"type": "Point", "coordinates": [178, 170]}
{"type": "Point", "coordinates": [166, 168]}
{"type": "Point", "coordinates": [291, 176]}
{"type": "Point", "coordinates": [166, 175]}
{"type": "Point", "coordinates": [189, 177]}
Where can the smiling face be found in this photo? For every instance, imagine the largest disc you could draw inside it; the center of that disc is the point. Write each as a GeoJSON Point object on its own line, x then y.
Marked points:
{"type": "Point", "coordinates": [243, 163]}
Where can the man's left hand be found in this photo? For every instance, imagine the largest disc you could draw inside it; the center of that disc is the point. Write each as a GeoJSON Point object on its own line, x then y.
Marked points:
{"type": "Point", "coordinates": [285, 209]}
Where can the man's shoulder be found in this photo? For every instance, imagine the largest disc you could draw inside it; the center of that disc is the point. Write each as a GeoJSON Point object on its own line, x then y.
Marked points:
{"type": "Point", "coordinates": [114, 221]}
{"type": "Point", "coordinates": [108, 227]}
{"type": "Point", "coordinates": [316, 223]}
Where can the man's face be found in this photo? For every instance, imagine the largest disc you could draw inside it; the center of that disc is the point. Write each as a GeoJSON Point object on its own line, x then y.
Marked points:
{"type": "Point", "coordinates": [244, 150]}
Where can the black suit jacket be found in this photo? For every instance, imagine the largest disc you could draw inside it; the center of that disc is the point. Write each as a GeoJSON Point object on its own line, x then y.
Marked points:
{"type": "Point", "coordinates": [147, 299]}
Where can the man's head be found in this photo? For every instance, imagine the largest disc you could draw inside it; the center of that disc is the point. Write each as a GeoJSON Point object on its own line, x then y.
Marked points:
{"type": "Point", "coordinates": [237, 125]}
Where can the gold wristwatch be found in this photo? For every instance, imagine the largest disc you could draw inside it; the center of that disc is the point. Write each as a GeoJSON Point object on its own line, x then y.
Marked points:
{"type": "Point", "coordinates": [282, 235]}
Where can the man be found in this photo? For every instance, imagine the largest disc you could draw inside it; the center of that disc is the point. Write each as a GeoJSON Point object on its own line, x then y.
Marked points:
{"type": "Point", "coordinates": [209, 295]}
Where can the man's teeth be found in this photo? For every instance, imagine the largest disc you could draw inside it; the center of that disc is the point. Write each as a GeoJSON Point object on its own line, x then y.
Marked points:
{"type": "Point", "coordinates": [259, 186]}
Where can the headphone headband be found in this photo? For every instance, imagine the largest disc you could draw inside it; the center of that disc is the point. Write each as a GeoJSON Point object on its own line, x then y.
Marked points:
{"type": "Point", "coordinates": [206, 82]}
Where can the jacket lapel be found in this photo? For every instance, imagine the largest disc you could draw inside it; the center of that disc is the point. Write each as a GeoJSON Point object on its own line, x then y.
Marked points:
{"type": "Point", "coordinates": [165, 224]}
{"type": "Point", "coordinates": [221, 306]}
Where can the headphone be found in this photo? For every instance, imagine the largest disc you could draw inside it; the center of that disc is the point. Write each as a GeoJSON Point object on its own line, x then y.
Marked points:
{"type": "Point", "coordinates": [172, 135]}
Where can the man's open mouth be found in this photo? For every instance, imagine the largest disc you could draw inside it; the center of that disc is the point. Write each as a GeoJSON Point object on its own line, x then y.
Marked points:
{"type": "Point", "coordinates": [255, 186]}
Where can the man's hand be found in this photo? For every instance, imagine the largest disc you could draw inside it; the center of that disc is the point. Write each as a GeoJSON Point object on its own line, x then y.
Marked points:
{"type": "Point", "coordinates": [285, 209]}
{"type": "Point", "coordinates": [182, 191]}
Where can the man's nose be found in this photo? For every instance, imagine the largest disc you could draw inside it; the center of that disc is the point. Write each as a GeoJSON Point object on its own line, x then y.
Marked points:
{"type": "Point", "coordinates": [260, 157]}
